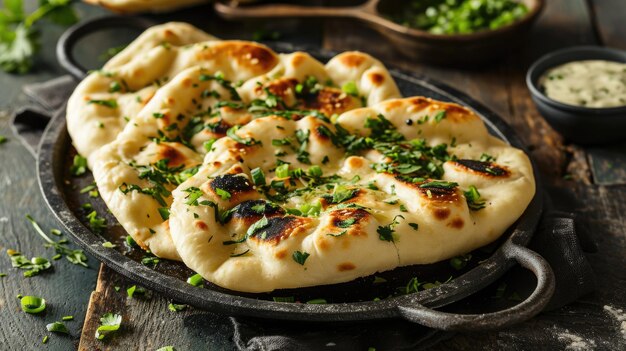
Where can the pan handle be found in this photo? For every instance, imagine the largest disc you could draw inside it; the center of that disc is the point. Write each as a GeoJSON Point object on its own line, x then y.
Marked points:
{"type": "Point", "coordinates": [72, 35]}
{"type": "Point", "coordinates": [282, 11]}
{"type": "Point", "coordinates": [516, 314]}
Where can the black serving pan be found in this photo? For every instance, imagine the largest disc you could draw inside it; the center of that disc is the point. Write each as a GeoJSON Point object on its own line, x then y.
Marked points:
{"type": "Point", "coordinates": [353, 301]}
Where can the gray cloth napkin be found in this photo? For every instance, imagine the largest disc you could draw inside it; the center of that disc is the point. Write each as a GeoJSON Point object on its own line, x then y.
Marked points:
{"type": "Point", "coordinates": [557, 240]}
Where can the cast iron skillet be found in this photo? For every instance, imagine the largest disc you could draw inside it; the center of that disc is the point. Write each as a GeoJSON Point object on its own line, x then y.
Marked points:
{"type": "Point", "coordinates": [59, 189]}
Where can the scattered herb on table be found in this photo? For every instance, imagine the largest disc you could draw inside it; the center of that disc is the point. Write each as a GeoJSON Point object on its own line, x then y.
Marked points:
{"type": "Point", "coordinates": [32, 304]}
{"type": "Point", "coordinates": [57, 327]}
{"type": "Point", "coordinates": [167, 348]}
{"type": "Point", "coordinates": [109, 323]}
{"type": "Point", "coordinates": [74, 256]}
{"type": "Point", "coordinates": [3, 139]}
{"type": "Point", "coordinates": [33, 266]}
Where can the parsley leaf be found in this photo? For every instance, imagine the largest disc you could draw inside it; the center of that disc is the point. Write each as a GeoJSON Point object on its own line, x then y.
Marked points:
{"type": "Point", "coordinates": [300, 257]}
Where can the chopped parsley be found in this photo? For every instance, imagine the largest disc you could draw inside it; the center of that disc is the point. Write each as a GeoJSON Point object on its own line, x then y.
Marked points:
{"type": "Point", "coordinates": [346, 223]}
{"type": "Point", "coordinates": [225, 195]}
{"type": "Point", "coordinates": [439, 116]}
{"type": "Point", "coordinates": [386, 233]}
{"type": "Point", "coordinates": [439, 184]}
{"type": "Point", "coordinates": [110, 103]}
{"type": "Point", "coordinates": [231, 133]}
{"type": "Point", "coordinates": [300, 257]}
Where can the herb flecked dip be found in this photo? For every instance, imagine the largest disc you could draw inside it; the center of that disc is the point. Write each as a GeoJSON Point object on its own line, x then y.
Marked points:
{"type": "Point", "coordinates": [590, 83]}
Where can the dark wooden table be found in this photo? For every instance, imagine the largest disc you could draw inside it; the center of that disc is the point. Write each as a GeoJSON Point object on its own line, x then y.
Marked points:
{"type": "Point", "coordinates": [87, 294]}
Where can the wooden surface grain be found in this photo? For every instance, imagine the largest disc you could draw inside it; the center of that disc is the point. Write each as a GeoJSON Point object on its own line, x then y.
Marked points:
{"type": "Point", "coordinates": [148, 324]}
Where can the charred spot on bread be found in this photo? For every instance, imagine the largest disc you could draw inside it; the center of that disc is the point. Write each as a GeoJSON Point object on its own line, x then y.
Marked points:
{"type": "Point", "coordinates": [329, 101]}
{"type": "Point", "coordinates": [347, 217]}
{"type": "Point", "coordinates": [233, 183]}
{"type": "Point", "coordinates": [279, 228]}
{"type": "Point", "coordinates": [346, 266]}
{"type": "Point", "coordinates": [489, 169]}
{"type": "Point", "coordinates": [174, 157]}
{"type": "Point", "coordinates": [251, 211]}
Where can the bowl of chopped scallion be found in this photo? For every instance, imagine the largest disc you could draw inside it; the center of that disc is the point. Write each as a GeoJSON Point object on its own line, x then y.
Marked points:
{"type": "Point", "coordinates": [458, 32]}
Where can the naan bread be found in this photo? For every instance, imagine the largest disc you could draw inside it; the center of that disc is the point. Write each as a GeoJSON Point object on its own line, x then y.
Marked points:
{"type": "Point", "coordinates": [103, 102]}
{"type": "Point", "coordinates": [394, 187]}
{"type": "Point", "coordinates": [132, 6]}
{"type": "Point", "coordinates": [164, 142]}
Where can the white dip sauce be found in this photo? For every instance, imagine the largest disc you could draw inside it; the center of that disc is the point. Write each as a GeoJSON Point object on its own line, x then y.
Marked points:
{"type": "Point", "coordinates": [593, 83]}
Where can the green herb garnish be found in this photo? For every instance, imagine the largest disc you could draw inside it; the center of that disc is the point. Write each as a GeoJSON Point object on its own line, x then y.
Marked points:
{"type": "Point", "coordinates": [32, 304]}
{"type": "Point", "coordinates": [57, 327]}
{"type": "Point", "coordinates": [109, 323]}
{"type": "Point", "coordinates": [300, 257]}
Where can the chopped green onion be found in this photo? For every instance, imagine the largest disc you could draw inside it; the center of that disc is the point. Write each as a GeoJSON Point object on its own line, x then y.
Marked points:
{"type": "Point", "coordinates": [33, 304]}
{"type": "Point", "coordinates": [176, 307]}
{"type": "Point", "coordinates": [57, 327]}
{"type": "Point", "coordinates": [109, 245]}
{"type": "Point", "coordinates": [258, 177]}
{"type": "Point", "coordinates": [68, 318]}
{"type": "Point", "coordinates": [282, 171]}
{"type": "Point", "coordinates": [196, 280]}
{"type": "Point", "coordinates": [350, 88]}
{"type": "Point", "coordinates": [315, 171]}
{"type": "Point", "coordinates": [79, 166]}
{"type": "Point", "coordinates": [164, 212]}
{"type": "Point", "coordinates": [109, 323]}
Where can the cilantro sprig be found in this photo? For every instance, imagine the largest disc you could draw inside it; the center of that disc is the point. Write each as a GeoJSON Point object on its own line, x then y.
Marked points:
{"type": "Point", "coordinates": [19, 35]}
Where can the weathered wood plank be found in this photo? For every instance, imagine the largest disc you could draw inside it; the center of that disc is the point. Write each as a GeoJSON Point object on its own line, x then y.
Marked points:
{"type": "Point", "coordinates": [66, 287]}
{"type": "Point", "coordinates": [148, 324]}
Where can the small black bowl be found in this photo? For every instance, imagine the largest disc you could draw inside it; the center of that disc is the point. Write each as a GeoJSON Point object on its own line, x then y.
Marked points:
{"type": "Point", "coordinates": [583, 125]}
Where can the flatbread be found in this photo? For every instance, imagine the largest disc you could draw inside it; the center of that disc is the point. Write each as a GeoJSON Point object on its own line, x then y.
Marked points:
{"type": "Point", "coordinates": [133, 6]}
{"type": "Point", "coordinates": [104, 102]}
{"type": "Point", "coordinates": [396, 189]}
{"type": "Point", "coordinates": [165, 141]}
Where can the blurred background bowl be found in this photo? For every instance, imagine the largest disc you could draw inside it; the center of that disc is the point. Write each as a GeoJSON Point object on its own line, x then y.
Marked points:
{"type": "Point", "coordinates": [458, 49]}
{"type": "Point", "coordinates": [583, 125]}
